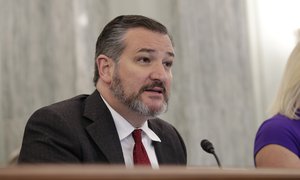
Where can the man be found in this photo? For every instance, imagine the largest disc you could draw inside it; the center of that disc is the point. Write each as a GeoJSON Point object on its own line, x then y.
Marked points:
{"type": "Point", "coordinates": [134, 57]}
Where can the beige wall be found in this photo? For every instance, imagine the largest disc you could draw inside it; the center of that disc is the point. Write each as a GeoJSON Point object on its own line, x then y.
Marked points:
{"type": "Point", "coordinates": [47, 51]}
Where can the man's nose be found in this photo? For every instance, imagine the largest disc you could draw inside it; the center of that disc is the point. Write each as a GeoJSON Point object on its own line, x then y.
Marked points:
{"type": "Point", "coordinates": [159, 72]}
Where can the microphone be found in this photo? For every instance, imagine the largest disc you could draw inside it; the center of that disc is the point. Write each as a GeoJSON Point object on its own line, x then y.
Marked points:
{"type": "Point", "coordinates": [209, 148]}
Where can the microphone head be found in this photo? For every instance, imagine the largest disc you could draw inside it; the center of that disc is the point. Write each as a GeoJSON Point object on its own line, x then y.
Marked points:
{"type": "Point", "coordinates": [207, 146]}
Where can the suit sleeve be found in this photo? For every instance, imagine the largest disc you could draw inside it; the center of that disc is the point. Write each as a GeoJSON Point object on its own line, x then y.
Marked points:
{"type": "Point", "coordinates": [48, 138]}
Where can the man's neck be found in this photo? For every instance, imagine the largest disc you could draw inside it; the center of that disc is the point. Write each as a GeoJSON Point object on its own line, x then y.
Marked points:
{"type": "Point", "coordinates": [134, 118]}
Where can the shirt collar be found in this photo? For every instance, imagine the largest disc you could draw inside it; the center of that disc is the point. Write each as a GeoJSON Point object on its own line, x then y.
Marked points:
{"type": "Point", "coordinates": [149, 132]}
{"type": "Point", "coordinates": [124, 128]}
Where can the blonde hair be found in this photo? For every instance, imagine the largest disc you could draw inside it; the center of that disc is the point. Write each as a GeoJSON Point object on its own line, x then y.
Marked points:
{"type": "Point", "coordinates": [287, 101]}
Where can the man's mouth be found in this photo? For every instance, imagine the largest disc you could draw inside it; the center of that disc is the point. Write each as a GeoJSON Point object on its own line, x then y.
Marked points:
{"type": "Point", "coordinates": [155, 89]}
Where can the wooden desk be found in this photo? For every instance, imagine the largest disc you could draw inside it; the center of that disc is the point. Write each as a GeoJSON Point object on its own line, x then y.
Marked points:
{"type": "Point", "coordinates": [100, 172]}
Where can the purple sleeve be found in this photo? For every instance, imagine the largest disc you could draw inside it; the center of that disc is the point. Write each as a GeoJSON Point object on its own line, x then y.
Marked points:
{"type": "Point", "coordinates": [276, 131]}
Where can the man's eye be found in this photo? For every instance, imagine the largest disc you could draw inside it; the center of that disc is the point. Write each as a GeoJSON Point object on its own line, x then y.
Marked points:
{"type": "Point", "coordinates": [168, 64]}
{"type": "Point", "coordinates": [144, 60]}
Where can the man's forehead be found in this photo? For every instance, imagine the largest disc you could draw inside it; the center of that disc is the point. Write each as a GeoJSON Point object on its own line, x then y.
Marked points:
{"type": "Point", "coordinates": [152, 51]}
{"type": "Point", "coordinates": [144, 40]}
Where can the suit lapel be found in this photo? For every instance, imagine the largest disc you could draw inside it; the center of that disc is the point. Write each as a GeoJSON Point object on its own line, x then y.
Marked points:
{"type": "Point", "coordinates": [163, 149]}
{"type": "Point", "coordinates": [102, 129]}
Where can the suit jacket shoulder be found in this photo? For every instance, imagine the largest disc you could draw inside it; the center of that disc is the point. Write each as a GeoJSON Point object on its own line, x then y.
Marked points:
{"type": "Point", "coordinates": [77, 130]}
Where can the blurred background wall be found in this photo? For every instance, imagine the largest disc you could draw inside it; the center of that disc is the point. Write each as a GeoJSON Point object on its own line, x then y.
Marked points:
{"type": "Point", "coordinates": [229, 59]}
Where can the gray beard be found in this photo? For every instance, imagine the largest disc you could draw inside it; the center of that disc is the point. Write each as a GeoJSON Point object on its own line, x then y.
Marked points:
{"type": "Point", "coordinates": [133, 101]}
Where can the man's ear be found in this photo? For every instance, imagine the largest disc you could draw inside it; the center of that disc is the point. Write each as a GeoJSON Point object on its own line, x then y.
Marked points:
{"type": "Point", "coordinates": [105, 67]}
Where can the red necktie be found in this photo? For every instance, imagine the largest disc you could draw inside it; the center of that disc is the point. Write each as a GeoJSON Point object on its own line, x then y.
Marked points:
{"type": "Point", "coordinates": [139, 153]}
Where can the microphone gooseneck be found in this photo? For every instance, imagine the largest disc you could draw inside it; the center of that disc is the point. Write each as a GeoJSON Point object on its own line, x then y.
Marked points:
{"type": "Point", "coordinates": [209, 148]}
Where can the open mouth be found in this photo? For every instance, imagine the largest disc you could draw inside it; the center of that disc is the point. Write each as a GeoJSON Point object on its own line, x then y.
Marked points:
{"type": "Point", "coordinates": [156, 90]}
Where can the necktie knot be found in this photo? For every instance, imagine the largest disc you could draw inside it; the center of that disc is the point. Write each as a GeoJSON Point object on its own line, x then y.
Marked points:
{"type": "Point", "coordinates": [137, 135]}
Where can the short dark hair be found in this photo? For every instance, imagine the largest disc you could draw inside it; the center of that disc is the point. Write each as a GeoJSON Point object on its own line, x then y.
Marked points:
{"type": "Point", "coordinates": [110, 41]}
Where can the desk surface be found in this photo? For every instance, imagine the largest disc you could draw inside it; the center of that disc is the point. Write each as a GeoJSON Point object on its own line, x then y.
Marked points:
{"type": "Point", "coordinates": [93, 172]}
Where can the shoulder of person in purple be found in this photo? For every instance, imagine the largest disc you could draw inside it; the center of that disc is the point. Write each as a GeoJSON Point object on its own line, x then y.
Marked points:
{"type": "Point", "coordinates": [279, 130]}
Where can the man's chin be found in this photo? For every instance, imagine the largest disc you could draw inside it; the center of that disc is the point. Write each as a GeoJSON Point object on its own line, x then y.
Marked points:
{"type": "Point", "coordinates": [154, 106]}
{"type": "Point", "coordinates": [157, 110]}
{"type": "Point", "coordinates": [154, 103]}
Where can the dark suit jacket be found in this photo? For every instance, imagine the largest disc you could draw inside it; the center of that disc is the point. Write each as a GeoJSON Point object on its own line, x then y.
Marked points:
{"type": "Point", "coordinates": [82, 130]}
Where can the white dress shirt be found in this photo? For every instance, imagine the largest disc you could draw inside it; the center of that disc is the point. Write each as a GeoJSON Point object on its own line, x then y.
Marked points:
{"type": "Point", "coordinates": [125, 129]}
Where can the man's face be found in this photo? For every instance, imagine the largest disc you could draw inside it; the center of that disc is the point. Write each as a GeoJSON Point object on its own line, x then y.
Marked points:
{"type": "Point", "coordinates": [142, 77]}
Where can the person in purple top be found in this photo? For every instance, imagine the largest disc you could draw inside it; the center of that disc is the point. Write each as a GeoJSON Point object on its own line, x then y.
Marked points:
{"type": "Point", "coordinates": [277, 142]}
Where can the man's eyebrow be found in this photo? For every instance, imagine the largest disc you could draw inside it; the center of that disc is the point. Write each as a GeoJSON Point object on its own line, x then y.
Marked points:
{"type": "Point", "coordinates": [152, 51]}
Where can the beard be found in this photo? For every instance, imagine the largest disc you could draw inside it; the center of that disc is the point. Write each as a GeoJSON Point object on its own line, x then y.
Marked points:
{"type": "Point", "coordinates": [133, 101]}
